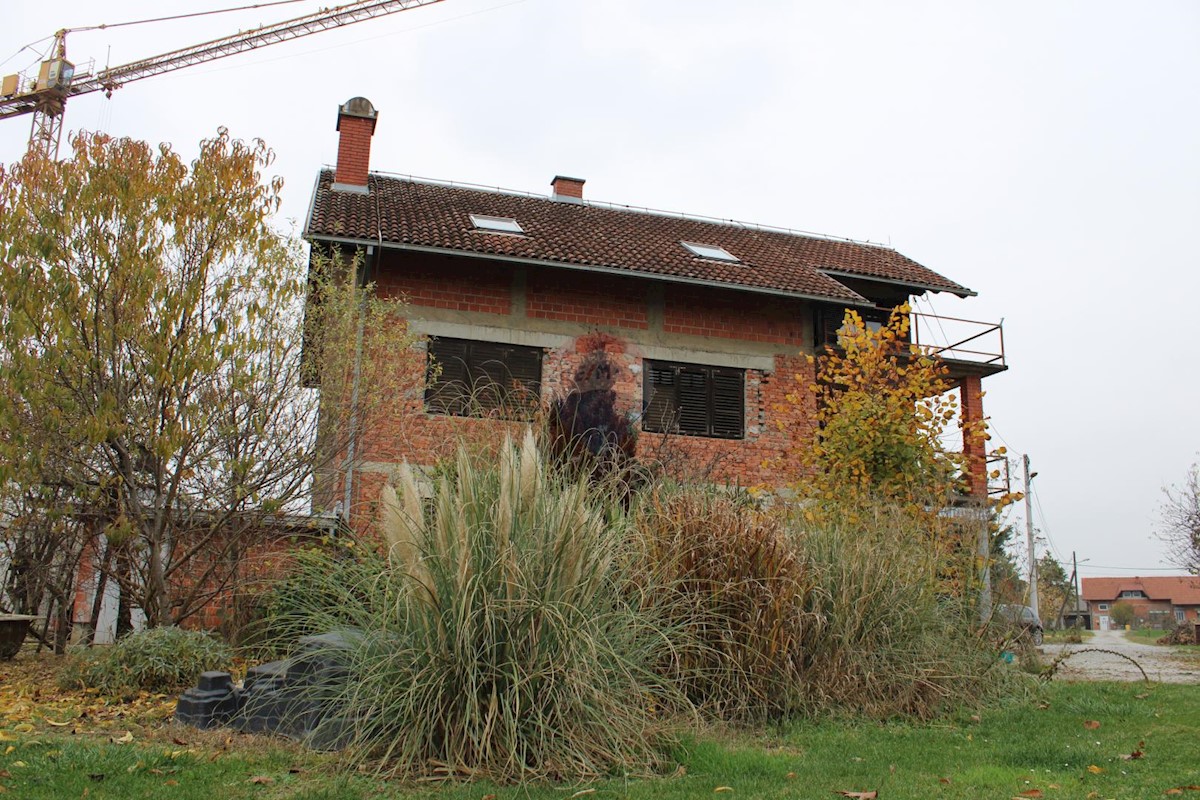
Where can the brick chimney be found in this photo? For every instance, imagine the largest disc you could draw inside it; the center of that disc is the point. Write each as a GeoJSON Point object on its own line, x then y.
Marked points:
{"type": "Point", "coordinates": [356, 124]}
{"type": "Point", "coordinates": [568, 190]}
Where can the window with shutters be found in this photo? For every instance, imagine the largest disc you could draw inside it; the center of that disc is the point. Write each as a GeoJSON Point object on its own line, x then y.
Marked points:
{"type": "Point", "coordinates": [470, 378]}
{"type": "Point", "coordinates": [694, 400]}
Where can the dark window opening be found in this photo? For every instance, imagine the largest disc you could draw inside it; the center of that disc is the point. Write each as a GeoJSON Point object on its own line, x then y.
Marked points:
{"type": "Point", "coordinates": [694, 400]}
{"type": "Point", "coordinates": [831, 322]}
{"type": "Point", "coordinates": [469, 378]}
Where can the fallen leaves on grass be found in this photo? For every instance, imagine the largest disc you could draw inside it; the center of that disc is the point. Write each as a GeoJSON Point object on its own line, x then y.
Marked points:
{"type": "Point", "coordinates": [1137, 753]}
{"type": "Point", "coordinates": [29, 701]}
{"type": "Point", "coordinates": [1092, 768]}
{"type": "Point", "coordinates": [1030, 793]}
{"type": "Point", "coordinates": [871, 795]}
{"type": "Point", "coordinates": [262, 780]}
{"type": "Point", "coordinates": [1092, 724]}
{"type": "Point", "coordinates": [1182, 789]}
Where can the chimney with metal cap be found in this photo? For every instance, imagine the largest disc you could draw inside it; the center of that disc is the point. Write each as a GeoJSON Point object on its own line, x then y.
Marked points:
{"type": "Point", "coordinates": [568, 190]}
{"type": "Point", "coordinates": [356, 124]}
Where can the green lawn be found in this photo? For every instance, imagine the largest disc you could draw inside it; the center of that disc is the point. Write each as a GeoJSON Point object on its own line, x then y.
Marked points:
{"type": "Point", "coordinates": [1046, 741]}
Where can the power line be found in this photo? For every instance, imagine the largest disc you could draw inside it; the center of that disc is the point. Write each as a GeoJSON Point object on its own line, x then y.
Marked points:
{"type": "Point", "coordinates": [1046, 528]}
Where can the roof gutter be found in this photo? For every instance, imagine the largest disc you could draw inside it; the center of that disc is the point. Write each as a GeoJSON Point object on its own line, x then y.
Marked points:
{"type": "Point", "coordinates": [445, 251]}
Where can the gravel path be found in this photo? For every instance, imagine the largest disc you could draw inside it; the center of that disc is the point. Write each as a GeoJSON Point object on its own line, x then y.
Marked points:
{"type": "Point", "coordinates": [1165, 664]}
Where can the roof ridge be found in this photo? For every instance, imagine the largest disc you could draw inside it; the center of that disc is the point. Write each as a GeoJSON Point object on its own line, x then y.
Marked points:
{"type": "Point", "coordinates": [632, 209]}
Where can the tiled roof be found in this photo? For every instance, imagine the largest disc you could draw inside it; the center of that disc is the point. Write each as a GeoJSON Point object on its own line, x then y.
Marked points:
{"type": "Point", "coordinates": [414, 213]}
{"type": "Point", "coordinates": [1180, 590]}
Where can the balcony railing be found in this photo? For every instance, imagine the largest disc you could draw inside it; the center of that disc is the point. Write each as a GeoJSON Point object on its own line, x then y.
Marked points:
{"type": "Point", "coordinates": [960, 340]}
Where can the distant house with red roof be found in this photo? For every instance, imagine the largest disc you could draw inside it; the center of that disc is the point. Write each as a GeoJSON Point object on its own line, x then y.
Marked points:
{"type": "Point", "coordinates": [1158, 601]}
{"type": "Point", "coordinates": [704, 324]}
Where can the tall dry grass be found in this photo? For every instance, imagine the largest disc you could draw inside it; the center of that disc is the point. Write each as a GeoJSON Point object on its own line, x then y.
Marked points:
{"type": "Point", "coordinates": [739, 593]}
{"type": "Point", "coordinates": [497, 636]}
{"type": "Point", "coordinates": [776, 617]}
{"type": "Point", "coordinates": [892, 643]}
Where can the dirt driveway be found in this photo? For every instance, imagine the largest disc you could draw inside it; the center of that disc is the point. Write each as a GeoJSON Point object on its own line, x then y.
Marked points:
{"type": "Point", "coordinates": [1165, 664]}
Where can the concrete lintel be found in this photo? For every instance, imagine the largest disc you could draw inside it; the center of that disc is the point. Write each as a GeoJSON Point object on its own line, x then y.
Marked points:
{"type": "Point", "coordinates": [708, 358]}
{"type": "Point", "coordinates": [489, 333]}
{"type": "Point", "coordinates": [554, 341]}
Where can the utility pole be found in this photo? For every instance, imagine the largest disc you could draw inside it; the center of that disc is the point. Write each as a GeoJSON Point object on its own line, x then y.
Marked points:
{"type": "Point", "coordinates": [1075, 580]}
{"type": "Point", "coordinates": [985, 571]}
{"type": "Point", "coordinates": [1062, 611]}
{"type": "Point", "coordinates": [1033, 587]}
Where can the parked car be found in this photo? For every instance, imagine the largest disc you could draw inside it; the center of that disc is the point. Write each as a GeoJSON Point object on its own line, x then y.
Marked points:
{"type": "Point", "coordinates": [1022, 618]}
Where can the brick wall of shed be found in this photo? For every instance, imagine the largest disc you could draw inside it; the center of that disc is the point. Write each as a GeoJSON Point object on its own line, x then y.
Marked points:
{"type": "Point", "coordinates": [234, 605]}
{"type": "Point", "coordinates": [231, 605]}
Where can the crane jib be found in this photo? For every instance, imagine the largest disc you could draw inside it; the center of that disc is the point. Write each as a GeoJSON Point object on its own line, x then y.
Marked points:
{"type": "Point", "coordinates": [46, 99]}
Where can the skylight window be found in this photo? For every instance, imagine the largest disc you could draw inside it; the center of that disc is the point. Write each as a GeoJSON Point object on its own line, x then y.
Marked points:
{"type": "Point", "coordinates": [710, 251]}
{"type": "Point", "coordinates": [496, 224]}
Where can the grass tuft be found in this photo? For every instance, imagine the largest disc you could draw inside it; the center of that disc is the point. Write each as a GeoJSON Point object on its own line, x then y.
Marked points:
{"type": "Point", "coordinates": [740, 596]}
{"type": "Point", "coordinates": [892, 645]}
{"type": "Point", "coordinates": [153, 660]}
{"type": "Point", "coordinates": [494, 634]}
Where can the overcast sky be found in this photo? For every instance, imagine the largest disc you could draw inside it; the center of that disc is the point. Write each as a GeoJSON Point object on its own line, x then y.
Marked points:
{"type": "Point", "coordinates": [1045, 154]}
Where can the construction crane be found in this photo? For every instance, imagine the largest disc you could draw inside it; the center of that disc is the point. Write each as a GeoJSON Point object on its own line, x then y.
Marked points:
{"type": "Point", "coordinates": [46, 96]}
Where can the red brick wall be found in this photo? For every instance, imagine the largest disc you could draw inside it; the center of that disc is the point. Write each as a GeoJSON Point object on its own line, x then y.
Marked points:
{"type": "Point", "coordinates": [229, 610]}
{"type": "Point", "coordinates": [587, 299]}
{"type": "Point", "coordinates": [974, 440]}
{"type": "Point", "coordinates": [598, 309]}
{"type": "Point", "coordinates": [449, 283]}
{"type": "Point", "coordinates": [749, 318]}
{"type": "Point", "coordinates": [1141, 610]}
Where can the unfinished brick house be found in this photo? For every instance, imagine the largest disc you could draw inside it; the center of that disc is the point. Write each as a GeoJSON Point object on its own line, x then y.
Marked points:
{"type": "Point", "coordinates": [704, 324]}
{"type": "Point", "coordinates": [1160, 602]}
